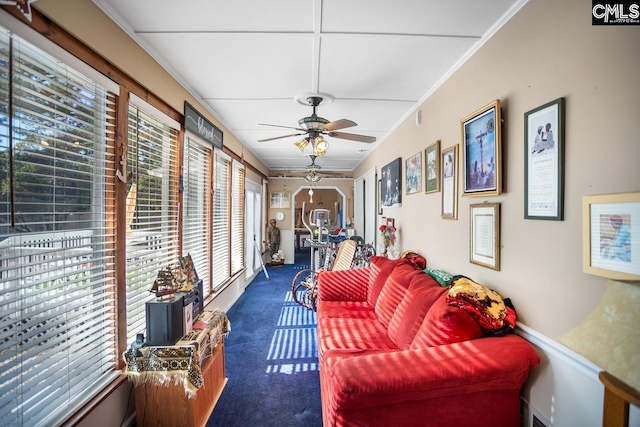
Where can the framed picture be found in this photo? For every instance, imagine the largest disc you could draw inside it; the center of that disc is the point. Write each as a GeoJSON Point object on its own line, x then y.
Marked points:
{"type": "Point", "coordinates": [484, 226]}
{"type": "Point", "coordinates": [379, 197]}
{"type": "Point", "coordinates": [432, 162]}
{"type": "Point", "coordinates": [391, 222]}
{"type": "Point", "coordinates": [413, 173]}
{"type": "Point", "coordinates": [279, 199]}
{"type": "Point", "coordinates": [611, 236]}
{"type": "Point", "coordinates": [392, 184]}
{"type": "Point", "coordinates": [188, 269]}
{"type": "Point", "coordinates": [482, 151]}
{"type": "Point", "coordinates": [449, 185]}
{"type": "Point", "coordinates": [544, 162]}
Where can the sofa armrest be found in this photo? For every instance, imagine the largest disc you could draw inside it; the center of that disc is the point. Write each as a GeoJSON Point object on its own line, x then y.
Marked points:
{"type": "Point", "coordinates": [459, 369]}
{"type": "Point", "coordinates": [343, 285]}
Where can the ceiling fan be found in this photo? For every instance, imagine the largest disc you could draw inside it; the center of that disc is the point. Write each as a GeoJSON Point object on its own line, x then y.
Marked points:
{"type": "Point", "coordinates": [315, 126]}
{"type": "Point", "coordinates": [312, 174]}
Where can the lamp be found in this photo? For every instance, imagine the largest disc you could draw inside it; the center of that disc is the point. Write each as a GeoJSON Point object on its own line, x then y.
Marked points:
{"type": "Point", "coordinates": [313, 177]}
{"type": "Point", "coordinates": [302, 144]}
{"type": "Point", "coordinates": [311, 195]}
{"type": "Point", "coordinates": [320, 146]}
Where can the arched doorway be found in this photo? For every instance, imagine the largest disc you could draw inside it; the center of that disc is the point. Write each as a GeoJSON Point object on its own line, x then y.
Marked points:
{"type": "Point", "coordinates": [324, 197]}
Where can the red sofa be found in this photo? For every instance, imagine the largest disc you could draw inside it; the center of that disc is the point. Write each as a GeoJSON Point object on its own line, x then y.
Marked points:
{"type": "Point", "coordinates": [392, 352]}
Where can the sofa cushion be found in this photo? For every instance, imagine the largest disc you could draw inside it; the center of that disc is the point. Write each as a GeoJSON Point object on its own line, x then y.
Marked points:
{"type": "Point", "coordinates": [445, 324]}
{"type": "Point", "coordinates": [345, 309]}
{"type": "Point", "coordinates": [380, 269]}
{"type": "Point", "coordinates": [352, 334]}
{"type": "Point", "coordinates": [423, 291]}
{"type": "Point", "coordinates": [393, 291]}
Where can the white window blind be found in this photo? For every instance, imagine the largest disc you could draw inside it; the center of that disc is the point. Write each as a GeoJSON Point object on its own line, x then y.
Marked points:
{"type": "Point", "coordinates": [152, 210]}
{"type": "Point", "coordinates": [221, 216]}
{"type": "Point", "coordinates": [196, 221]}
{"type": "Point", "coordinates": [237, 217]}
{"type": "Point", "coordinates": [57, 283]}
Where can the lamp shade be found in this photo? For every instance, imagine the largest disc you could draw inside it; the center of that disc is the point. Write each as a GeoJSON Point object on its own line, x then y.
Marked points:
{"type": "Point", "coordinates": [320, 146]}
{"type": "Point", "coordinates": [302, 144]}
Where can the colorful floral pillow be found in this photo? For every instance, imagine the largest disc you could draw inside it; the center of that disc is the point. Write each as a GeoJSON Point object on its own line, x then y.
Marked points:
{"type": "Point", "coordinates": [441, 277]}
{"type": "Point", "coordinates": [486, 306]}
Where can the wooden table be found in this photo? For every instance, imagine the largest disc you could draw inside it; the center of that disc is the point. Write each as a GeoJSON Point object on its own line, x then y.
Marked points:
{"type": "Point", "coordinates": [158, 405]}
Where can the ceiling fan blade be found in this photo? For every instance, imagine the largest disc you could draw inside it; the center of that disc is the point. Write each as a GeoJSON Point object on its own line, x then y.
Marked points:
{"type": "Point", "coordinates": [339, 124]}
{"type": "Point", "coordinates": [280, 126]}
{"type": "Point", "coordinates": [352, 137]}
{"type": "Point", "coordinates": [280, 137]}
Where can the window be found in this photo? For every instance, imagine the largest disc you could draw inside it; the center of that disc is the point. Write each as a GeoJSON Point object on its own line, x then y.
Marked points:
{"type": "Point", "coordinates": [57, 279]}
{"type": "Point", "coordinates": [221, 216]}
{"type": "Point", "coordinates": [152, 206]}
{"type": "Point", "coordinates": [237, 218]}
{"type": "Point", "coordinates": [196, 236]}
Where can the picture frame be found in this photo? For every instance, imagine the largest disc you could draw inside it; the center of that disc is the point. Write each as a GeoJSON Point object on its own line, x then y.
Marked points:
{"type": "Point", "coordinates": [432, 168]}
{"type": "Point", "coordinates": [413, 173]}
{"type": "Point", "coordinates": [449, 178]}
{"type": "Point", "coordinates": [379, 196]}
{"type": "Point", "coordinates": [391, 222]}
{"type": "Point", "coordinates": [188, 269]}
{"type": "Point", "coordinates": [544, 162]}
{"type": "Point", "coordinates": [279, 199]}
{"type": "Point", "coordinates": [482, 151]}
{"type": "Point", "coordinates": [392, 184]}
{"type": "Point", "coordinates": [484, 228]}
{"type": "Point", "coordinates": [611, 235]}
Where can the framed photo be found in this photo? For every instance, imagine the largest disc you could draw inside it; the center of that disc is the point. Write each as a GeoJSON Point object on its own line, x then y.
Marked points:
{"type": "Point", "coordinates": [432, 162]}
{"type": "Point", "coordinates": [279, 199]}
{"type": "Point", "coordinates": [391, 222]}
{"type": "Point", "coordinates": [544, 162]}
{"type": "Point", "coordinates": [484, 226]}
{"type": "Point", "coordinates": [379, 197]}
{"type": "Point", "coordinates": [482, 151]}
{"type": "Point", "coordinates": [188, 269]}
{"type": "Point", "coordinates": [611, 236]}
{"type": "Point", "coordinates": [449, 185]}
{"type": "Point", "coordinates": [392, 184]}
{"type": "Point", "coordinates": [413, 173]}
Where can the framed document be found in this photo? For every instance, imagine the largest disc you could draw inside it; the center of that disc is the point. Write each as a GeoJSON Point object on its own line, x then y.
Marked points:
{"type": "Point", "coordinates": [449, 185]}
{"type": "Point", "coordinates": [484, 226]}
{"type": "Point", "coordinates": [279, 199]}
{"type": "Point", "coordinates": [544, 161]}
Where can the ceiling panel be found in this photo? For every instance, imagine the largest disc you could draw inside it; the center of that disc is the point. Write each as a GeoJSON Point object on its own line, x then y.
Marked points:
{"type": "Point", "coordinates": [247, 60]}
{"type": "Point", "coordinates": [238, 66]}
{"type": "Point", "coordinates": [457, 18]}
{"type": "Point", "coordinates": [215, 15]}
{"type": "Point", "coordinates": [398, 67]}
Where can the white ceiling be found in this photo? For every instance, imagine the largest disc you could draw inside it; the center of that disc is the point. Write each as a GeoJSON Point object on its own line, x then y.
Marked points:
{"type": "Point", "coordinates": [247, 60]}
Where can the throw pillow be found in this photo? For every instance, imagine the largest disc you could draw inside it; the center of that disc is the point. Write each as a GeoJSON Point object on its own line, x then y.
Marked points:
{"type": "Point", "coordinates": [445, 324]}
{"type": "Point", "coordinates": [380, 269]}
{"type": "Point", "coordinates": [485, 305]}
{"type": "Point", "coordinates": [441, 277]}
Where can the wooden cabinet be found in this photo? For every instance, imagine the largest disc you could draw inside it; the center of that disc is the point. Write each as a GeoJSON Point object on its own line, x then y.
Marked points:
{"type": "Point", "coordinates": [169, 405]}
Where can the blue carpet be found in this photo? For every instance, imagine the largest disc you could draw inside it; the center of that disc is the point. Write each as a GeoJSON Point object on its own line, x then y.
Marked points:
{"type": "Point", "coordinates": [271, 357]}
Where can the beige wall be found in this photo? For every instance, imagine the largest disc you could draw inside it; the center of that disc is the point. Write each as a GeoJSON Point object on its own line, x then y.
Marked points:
{"type": "Point", "coordinates": [548, 50]}
{"type": "Point", "coordinates": [88, 23]}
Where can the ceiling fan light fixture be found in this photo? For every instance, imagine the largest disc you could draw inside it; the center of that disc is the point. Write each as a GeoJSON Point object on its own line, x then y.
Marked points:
{"type": "Point", "coordinates": [320, 146]}
{"type": "Point", "coordinates": [313, 122]}
{"type": "Point", "coordinates": [302, 144]}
